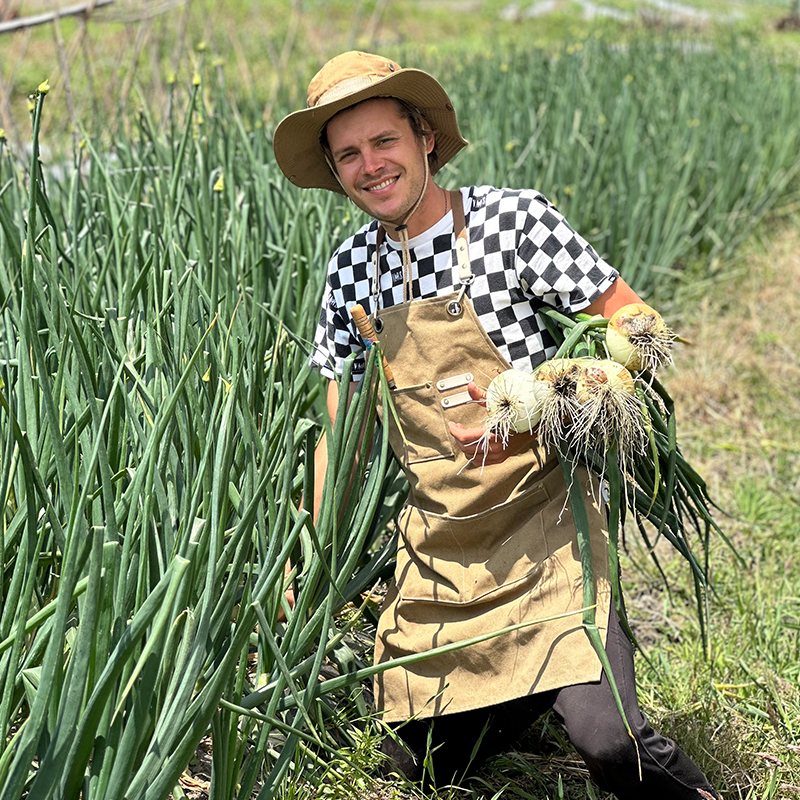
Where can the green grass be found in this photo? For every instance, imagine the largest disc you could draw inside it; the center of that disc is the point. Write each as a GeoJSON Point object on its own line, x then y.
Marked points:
{"type": "Point", "coordinates": [751, 686]}
{"type": "Point", "coordinates": [112, 65]}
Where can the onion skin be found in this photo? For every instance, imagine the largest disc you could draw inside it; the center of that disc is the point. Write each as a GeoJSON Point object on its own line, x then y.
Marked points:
{"type": "Point", "coordinates": [638, 338]}
{"type": "Point", "coordinates": [621, 349]}
{"type": "Point", "coordinates": [557, 377]}
{"type": "Point", "coordinates": [560, 372]}
{"type": "Point", "coordinates": [603, 376]}
{"type": "Point", "coordinates": [609, 413]}
{"type": "Point", "coordinates": [535, 414]}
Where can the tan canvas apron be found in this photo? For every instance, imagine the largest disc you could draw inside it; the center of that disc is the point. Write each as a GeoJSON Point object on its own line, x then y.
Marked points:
{"type": "Point", "coordinates": [479, 549]}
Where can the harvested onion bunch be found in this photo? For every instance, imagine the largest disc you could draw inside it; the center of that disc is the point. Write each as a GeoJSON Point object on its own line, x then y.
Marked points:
{"type": "Point", "coordinates": [640, 457]}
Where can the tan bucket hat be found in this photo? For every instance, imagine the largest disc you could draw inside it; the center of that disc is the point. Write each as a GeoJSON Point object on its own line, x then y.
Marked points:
{"type": "Point", "coordinates": [344, 81]}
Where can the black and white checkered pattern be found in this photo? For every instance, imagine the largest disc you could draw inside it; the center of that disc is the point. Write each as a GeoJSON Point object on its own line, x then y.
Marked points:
{"type": "Point", "coordinates": [523, 254]}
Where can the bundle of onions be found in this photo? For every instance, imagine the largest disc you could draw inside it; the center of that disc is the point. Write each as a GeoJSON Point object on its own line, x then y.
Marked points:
{"type": "Point", "coordinates": [616, 415]}
{"type": "Point", "coordinates": [638, 338]}
{"type": "Point", "coordinates": [558, 378]}
{"type": "Point", "coordinates": [513, 404]}
{"type": "Point", "coordinates": [608, 413]}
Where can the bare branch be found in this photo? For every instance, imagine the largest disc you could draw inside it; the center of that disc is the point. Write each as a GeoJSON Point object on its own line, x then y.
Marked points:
{"type": "Point", "coordinates": [49, 16]}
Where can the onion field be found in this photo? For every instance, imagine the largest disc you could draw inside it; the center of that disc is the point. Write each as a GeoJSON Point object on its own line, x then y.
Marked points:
{"type": "Point", "coordinates": [158, 297]}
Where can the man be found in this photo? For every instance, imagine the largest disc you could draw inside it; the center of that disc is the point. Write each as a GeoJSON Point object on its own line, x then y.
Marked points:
{"type": "Point", "coordinates": [452, 282]}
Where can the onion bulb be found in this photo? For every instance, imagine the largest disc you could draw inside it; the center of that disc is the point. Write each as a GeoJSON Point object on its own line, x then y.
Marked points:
{"type": "Point", "coordinates": [558, 377]}
{"type": "Point", "coordinates": [600, 377]}
{"type": "Point", "coordinates": [638, 338]}
{"type": "Point", "coordinates": [608, 410]}
{"type": "Point", "coordinates": [513, 404]}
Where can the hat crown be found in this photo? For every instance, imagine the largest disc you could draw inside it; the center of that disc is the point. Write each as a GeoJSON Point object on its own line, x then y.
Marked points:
{"type": "Point", "coordinates": [347, 74]}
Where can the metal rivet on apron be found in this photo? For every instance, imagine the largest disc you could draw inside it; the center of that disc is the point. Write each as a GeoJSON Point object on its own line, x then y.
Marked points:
{"type": "Point", "coordinates": [454, 308]}
{"type": "Point", "coordinates": [377, 326]}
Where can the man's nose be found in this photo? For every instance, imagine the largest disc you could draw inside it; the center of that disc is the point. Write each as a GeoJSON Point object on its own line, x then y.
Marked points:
{"type": "Point", "coordinates": [372, 161]}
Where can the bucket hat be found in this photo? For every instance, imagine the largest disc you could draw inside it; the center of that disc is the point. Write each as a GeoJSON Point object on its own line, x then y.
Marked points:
{"type": "Point", "coordinates": [344, 81]}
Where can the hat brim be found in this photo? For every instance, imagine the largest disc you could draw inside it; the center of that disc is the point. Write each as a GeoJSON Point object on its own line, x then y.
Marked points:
{"type": "Point", "coordinates": [296, 139]}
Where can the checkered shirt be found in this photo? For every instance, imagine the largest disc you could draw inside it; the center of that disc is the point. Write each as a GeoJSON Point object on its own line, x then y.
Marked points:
{"type": "Point", "coordinates": [523, 254]}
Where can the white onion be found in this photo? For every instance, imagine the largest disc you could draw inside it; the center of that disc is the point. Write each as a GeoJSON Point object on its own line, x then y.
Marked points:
{"type": "Point", "coordinates": [557, 377]}
{"type": "Point", "coordinates": [609, 413]}
{"type": "Point", "coordinates": [561, 373]}
{"type": "Point", "coordinates": [513, 404]}
{"type": "Point", "coordinates": [602, 377]}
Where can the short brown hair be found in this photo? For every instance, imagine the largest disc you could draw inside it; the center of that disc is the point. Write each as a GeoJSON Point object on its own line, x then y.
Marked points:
{"type": "Point", "coordinates": [420, 127]}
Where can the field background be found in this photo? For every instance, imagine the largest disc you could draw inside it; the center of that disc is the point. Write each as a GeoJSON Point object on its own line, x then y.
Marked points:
{"type": "Point", "coordinates": [689, 112]}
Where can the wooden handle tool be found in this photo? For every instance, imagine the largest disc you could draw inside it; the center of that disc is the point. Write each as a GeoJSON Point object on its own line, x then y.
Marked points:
{"type": "Point", "coordinates": [368, 333]}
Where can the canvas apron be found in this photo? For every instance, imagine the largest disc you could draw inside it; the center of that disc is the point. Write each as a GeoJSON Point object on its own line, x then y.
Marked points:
{"type": "Point", "coordinates": [479, 549]}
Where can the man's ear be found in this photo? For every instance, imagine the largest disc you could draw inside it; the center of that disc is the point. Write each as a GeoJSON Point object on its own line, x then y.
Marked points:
{"type": "Point", "coordinates": [430, 141]}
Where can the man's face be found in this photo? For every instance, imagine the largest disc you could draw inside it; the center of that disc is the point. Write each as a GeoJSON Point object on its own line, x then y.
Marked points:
{"type": "Point", "coordinates": [381, 163]}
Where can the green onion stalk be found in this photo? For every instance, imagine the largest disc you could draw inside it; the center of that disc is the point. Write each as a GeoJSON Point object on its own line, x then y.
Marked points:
{"type": "Point", "coordinates": [620, 423]}
{"type": "Point", "coordinates": [651, 479]}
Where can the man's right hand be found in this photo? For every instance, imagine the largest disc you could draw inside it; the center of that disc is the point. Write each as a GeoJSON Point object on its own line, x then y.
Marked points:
{"type": "Point", "coordinates": [484, 450]}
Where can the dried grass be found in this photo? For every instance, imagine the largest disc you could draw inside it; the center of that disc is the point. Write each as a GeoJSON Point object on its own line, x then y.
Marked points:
{"type": "Point", "coordinates": [735, 389]}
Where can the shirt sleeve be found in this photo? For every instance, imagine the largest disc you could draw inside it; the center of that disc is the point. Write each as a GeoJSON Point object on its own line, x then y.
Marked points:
{"type": "Point", "coordinates": [555, 264]}
{"type": "Point", "coordinates": [335, 338]}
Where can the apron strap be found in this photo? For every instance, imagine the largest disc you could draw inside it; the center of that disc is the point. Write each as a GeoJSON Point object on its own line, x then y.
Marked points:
{"type": "Point", "coordinates": [462, 240]}
{"type": "Point", "coordinates": [376, 270]}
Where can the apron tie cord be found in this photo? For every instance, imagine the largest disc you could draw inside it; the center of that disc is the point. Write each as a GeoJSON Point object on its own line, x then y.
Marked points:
{"type": "Point", "coordinates": [402, 231]}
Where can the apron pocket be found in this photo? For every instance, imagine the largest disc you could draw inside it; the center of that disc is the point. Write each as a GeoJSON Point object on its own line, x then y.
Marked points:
{"type": "Point", "coordinates": [482, 557]}
{"type": "Point", "coordinates": [419, 405]}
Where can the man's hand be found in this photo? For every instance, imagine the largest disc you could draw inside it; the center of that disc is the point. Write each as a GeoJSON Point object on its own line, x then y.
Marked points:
{"type": "Point", "coordinates": [486, 450]}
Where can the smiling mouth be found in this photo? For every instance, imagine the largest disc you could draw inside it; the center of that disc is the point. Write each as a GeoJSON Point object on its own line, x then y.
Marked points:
{"type": "Point", "coordinates": [381, 185]}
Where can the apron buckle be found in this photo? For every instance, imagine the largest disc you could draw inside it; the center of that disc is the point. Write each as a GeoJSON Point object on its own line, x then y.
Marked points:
{"type": "Point", "coordinates": [454, 308]}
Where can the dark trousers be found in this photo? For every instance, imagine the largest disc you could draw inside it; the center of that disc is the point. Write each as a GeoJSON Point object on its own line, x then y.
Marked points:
{"type": "Point", "coordinates": [590, 718]}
